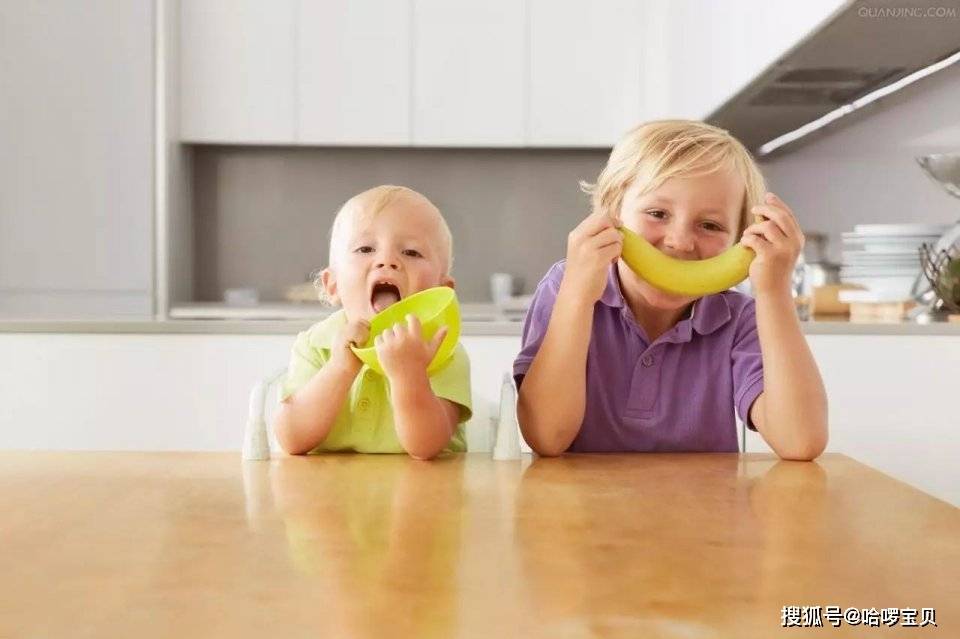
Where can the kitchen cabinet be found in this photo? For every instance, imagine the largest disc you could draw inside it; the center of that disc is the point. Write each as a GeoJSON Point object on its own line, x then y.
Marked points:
{"type": "Point", "coordinates": [76, 158]}
{"type": "Point", "coordinates": [715, 49]}
{"type": "Point", "coordinates": [892, 412]}
{"type": "Point", "coordinates": [584, 71]}
{"type": "Point", "coordinates": [353, 72]}
{"type": "Point", "coordinates": [894, 417]}
{"type": "Point", "coordinates": [469, 73]}
{"type": "Point", "coordinates": [173, 391]}
{"type": "Point", "coordinates": [238, 71]}
{"type": "Point", "coordinates": [536, 73]}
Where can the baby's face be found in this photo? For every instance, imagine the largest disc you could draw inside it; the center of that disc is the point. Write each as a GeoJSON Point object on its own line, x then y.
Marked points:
{"type": "Point", "coordinates": [689, 218]}
{"type": "Point", "coordinates": [388, 256]}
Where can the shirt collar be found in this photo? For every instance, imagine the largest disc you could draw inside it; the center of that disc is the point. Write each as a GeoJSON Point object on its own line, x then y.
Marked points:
{"type": "Point", "coordinates": [325, 332]}
{"type": "Point", "coordinates": [612, 295]}
{"type": "Point", "coordinates": [707, 315]}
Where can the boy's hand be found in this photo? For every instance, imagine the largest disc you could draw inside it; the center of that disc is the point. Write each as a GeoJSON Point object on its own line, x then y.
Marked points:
{"type": "Point", "coordinates": [777, 241]}
{"type": "Point", "coordinates": [403, 352]}
{"type": "Point", "coordinates": [355, 332]}
{"type": "Point", "coordinates": [591, 248]}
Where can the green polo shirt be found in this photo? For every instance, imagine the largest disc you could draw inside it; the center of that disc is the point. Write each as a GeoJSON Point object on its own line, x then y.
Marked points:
{"type": "Point", "coordinates": [365, 422]}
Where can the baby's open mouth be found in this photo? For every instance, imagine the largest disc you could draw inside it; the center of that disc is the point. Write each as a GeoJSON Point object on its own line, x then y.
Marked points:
{"type": "Point", "coordinates": [384, 294]}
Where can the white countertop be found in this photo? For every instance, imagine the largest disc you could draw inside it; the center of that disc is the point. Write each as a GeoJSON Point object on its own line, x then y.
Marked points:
{"type": "Point", "coordinates": [468, 328]}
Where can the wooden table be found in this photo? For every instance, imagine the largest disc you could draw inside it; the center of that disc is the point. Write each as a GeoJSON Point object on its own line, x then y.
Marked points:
{"type": "Point", "coordinates": [203, 545]}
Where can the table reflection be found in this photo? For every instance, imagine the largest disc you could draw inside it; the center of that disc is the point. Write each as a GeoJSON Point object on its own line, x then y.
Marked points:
{"type": "Point", "coordinates": [382, 535]}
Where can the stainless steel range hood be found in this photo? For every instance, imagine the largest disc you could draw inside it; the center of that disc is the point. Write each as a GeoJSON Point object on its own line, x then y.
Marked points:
{"type": "Point", "coordinates": [863, 47]}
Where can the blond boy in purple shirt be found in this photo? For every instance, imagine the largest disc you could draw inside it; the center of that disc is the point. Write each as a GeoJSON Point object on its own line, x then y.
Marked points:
{"type": "Point", "coordinates": [610, 363]}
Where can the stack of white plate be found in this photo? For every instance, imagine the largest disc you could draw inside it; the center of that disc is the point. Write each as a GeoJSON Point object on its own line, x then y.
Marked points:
{"type": "Point", "coordinates": [885, 258]}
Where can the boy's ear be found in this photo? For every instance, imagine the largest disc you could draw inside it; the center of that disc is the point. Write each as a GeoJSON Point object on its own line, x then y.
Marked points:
{"type": "Point", "coordinates": [329, 281]}
{"type": "Point", "coordinates": [447, 280]}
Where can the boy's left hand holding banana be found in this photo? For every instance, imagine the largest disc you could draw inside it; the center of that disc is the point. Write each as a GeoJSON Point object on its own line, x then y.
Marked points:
{"type": "Point", "coordinates": [791, 413]}
{"type": "Point", "coordinates": [777, 240]}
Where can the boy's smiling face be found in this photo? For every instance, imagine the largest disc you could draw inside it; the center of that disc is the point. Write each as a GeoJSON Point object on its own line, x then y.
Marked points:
{"type": "Point", "coordinates": [689, 218]}
{"type": "Point", "coordinates": [388, 256]}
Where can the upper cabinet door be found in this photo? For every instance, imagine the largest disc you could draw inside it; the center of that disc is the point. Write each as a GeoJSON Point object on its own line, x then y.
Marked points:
{"type": "Point", "coordinates": [707, 50]}
{"type": "Point", "coordinates": [584, 71]}
{"type": "Point", "coordinates": [76, 159]}
{"type": "Point", "coordinates": [237, 71]}
{"type": "Point", "coordinates": [716, 49]}
{"type": "Point", "coordinates": [353, 72]}
{"type": "Point", "coordinates": [469, 72]}
{"type": "Point", "coordinates": [773, 28]}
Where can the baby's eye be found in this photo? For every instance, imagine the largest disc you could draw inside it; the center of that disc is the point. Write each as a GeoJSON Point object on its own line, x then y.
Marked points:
{"type": "Point", "coordinates": [657, 213]}
{"type": "Point", "coordinates": [363, 249]}
{"type": "Point", "coordinates": [412, 253]}
{"type": "Point", "coordinates": [712, 226]}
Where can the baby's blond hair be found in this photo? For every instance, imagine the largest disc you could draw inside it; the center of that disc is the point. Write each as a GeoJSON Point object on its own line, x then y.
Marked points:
{"type": "Point", "coordinates": [370, 203]}
{"type": "Point", "coordinates": [656, 151]}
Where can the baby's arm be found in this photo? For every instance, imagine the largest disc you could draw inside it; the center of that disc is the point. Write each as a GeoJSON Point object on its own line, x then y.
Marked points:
{"type": "Point", "coordinates": [424, 422]}
{"type": "Point", "coordinates": [553, 395]}
{"type": "Point", "coordinates": [791, 413]}
{"type": "Point", "coordinates": [306, 417]}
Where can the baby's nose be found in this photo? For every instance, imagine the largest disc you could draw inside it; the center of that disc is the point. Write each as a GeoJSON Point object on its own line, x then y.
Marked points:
{"type": "Point", "coordinates": [394, 264]}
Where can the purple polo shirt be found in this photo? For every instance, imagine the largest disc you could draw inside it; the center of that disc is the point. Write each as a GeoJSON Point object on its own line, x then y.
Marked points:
{"type": "Point", "coordinates": [675, 394]}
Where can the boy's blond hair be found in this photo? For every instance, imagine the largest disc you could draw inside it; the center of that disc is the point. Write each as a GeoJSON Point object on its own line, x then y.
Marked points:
{"type": "Point", "coordinates": [370, 203]}
{"type": "Point", "coordinates": [657, 151]}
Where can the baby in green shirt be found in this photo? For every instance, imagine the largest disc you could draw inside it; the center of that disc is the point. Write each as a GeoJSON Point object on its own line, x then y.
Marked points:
{"type": "Point", "coordinates": [386, 243]}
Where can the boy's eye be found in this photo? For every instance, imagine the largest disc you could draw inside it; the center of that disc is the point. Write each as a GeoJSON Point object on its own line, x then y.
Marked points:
{"type": "Point", "coordinates": [657, 213]}
{"type": "Point", "coordinates": [712, 226]}
{"type": "Point", "coordinates": [412, 253]}
{"type": "Point", "coordinates": [363, 249]}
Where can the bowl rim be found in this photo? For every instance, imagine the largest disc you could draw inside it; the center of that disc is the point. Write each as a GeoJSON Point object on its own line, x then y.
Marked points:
{"type": "Point", "coordinates": [433, 290]}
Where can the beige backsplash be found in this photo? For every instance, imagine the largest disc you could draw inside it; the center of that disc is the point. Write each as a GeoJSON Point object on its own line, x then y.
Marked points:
{"type": "Point", "coordinates": [263, 214]}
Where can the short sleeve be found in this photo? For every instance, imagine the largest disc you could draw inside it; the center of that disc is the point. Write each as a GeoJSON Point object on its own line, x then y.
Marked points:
{"type": "Point", "coordinates": [305, 361]}
{"type": "Point", "coordinates": [452, 382]}
{"type": "Point", "coordinates": [537, 320]}
{"type": "Point", "coordinates": [747, 364]}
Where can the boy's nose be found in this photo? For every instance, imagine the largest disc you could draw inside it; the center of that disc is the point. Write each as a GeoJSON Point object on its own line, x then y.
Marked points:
{"type": "Point", "coordinates": [391, 263]}
{"type": "Point", "coordinates": [680, 241]}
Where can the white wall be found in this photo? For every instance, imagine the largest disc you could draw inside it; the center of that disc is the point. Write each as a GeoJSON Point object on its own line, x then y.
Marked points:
{"type": "Point", "coordinates": [892, 398]}
{"type": "Point", "coordinates": [892, 405]}
{"type": "Point", "coordinates": [168, 392]}
{"type": "Point", "coordinates": [865, 171]}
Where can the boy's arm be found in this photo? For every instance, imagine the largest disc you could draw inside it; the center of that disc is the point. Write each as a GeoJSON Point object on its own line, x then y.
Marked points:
{"type": "Point", "coordinates": [791, 413]}
{"type": "Point", "coordinates": [306, 417]}
{"type": "Point", "coordinates": [552, 397]}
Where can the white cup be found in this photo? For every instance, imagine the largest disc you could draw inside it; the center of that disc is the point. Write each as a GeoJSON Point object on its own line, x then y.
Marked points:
{"type": "Point", "coordinates": [501, 287]}
{"type": "Point", "coordinates": [241, 297]}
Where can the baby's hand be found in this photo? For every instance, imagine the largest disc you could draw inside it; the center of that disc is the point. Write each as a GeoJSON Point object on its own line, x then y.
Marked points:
{"type": "Point", "coordinates": [355, 332]}
{"type": "Point", "coordinates": [777, 241]}
{"type": "Point", "coordinates": [402, 351]}
{"type": "Point", "coordinates": [591, 248]}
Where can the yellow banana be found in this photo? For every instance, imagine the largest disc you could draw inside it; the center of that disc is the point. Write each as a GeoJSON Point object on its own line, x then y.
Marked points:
{"type": "Point", "coordinates": [685, 277]}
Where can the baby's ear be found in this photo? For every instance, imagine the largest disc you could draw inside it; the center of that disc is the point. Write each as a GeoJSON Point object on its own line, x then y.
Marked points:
{"type": "Point", "coordinates": [328, 281]}
{"type": "Point", "coordinates": [447, 280]}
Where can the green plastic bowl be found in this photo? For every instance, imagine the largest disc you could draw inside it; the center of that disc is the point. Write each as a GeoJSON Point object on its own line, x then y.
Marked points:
{"type": "Point", "coordinates": [434, 307]}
